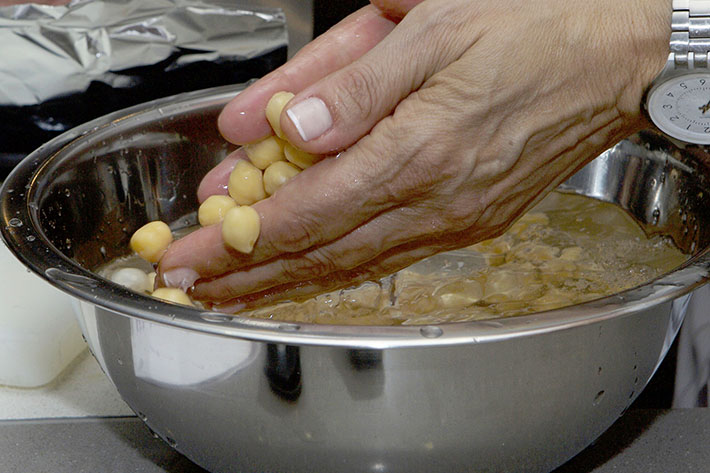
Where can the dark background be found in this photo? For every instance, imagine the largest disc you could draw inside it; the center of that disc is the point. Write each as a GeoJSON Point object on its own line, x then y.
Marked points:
{"type": "Point", "coordinates": [328, 12]}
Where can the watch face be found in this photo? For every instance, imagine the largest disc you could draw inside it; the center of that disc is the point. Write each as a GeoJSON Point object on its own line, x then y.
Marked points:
{"type": "Point", "coordinates": [680, 107]}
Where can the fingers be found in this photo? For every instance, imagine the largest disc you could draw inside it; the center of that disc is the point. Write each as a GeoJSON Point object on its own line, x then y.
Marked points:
{"type": "Point", "coordinates": [342, 107]}
{"type": "Point", "coordinates": [318, 205]}
{"type": "Point", "coordinates": [243, 120]}
{"type": "Point", "coordinates": [388, 263]}
{"type": "Point", "coordinates": [215, 182]}
{"type": "Point", "coordinates": [355, 249]}
{"type": "Point", "coordinates": [327, 201]}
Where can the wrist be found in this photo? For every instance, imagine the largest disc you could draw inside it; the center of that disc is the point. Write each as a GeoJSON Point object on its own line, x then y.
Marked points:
{"type": "Point", "coordinates": [649, 27]}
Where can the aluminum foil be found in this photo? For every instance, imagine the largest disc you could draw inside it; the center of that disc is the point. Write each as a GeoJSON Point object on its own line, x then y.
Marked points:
{"type": "Point", "coordinates": [51, 51]}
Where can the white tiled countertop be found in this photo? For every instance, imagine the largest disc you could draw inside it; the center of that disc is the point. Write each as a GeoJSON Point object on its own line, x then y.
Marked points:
{"type": "Point", "coordinates": [81, 390]}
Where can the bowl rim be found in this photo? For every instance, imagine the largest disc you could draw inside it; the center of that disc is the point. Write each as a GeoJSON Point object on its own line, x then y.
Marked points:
{"type": "Point", "coordinates": [21, 233]}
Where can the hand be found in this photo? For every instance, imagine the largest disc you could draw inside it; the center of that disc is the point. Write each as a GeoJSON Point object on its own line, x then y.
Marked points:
{"type": "Point", "coordinates": [448, 126]}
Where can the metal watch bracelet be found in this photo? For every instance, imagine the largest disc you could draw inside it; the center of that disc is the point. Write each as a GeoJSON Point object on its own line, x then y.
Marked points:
{"type": "Point", "coordinates": [690, 34]}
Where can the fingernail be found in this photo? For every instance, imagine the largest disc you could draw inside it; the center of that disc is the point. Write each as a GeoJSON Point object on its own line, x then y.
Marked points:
{"type": "Point", "coordinates": [183, 278]}
{"type": "Point", "coordinates": [310, 117]}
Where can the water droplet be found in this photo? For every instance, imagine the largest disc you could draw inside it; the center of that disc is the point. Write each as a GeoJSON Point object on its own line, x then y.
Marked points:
{"type": "Point", "coordinates": [213, 317]}
{"type": "Point", "coordinates": [598, 398]}
{"type": "Point", "coordinates": [289, 327]}
{"type": "Point", "coordinates": [31, 238]}
{"type": "Point", "coordinates": [431, 331]}
{"type": "Point", "coordinates": [15, 222]}
{"type": "Point", "coordinates": [656, 215]}
{"type": "Point", "coordinates": [171, 441]}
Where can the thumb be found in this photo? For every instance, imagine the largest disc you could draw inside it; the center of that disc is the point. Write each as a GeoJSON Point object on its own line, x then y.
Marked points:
{"type": "Point", "coordinates": [339, 109]}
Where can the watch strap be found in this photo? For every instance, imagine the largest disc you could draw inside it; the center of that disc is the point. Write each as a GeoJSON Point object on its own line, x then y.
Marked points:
{"type": "Point", "coordinates": [690, 34]}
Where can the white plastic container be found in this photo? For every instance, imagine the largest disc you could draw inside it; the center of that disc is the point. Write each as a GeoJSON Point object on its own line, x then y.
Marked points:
{"type": "Point", "coordinates": [39, 334]}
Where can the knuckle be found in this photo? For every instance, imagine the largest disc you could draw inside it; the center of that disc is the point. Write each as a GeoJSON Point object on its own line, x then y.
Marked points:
{"type": "Point", "coordinates": [295, 232]}
{"type": "Point", "coordinates": [310, 266]}
{"type": "Point", "coordinates": [358, 92]}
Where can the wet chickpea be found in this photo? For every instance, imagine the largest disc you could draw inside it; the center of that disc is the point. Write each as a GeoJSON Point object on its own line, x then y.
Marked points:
{"type": "Point", "coordinates": [132, 278]}
{"type": "Point", "coordinates": [246, 183]}
{"type": "Point", "coordinates": [460, 294]}
{"type": "Point", "coordinates": [299, 157]}
{"type": "Point", "coordinates": [151, 240]}
{"type": "Point", "coordinates": [240, 228]}
{"type": "Point", "coordinates": [172, 294]}
{"type": "Point", "coordinates": [274, 107]}
{"type": "Point", "coordinates": [214, 208]}
{"type": "Point", "coordinates": [277, 175]}
{"type": "Point", "coordinates": [572, 253]}
{"type": "Point", "coordinates": [265, 152]}
{"type": "Point", "coordinates": [151, 280]}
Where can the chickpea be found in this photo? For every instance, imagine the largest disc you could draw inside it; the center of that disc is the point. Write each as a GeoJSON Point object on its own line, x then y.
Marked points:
{"type": "Point", "coordinates": [151, 280]}
{"type": "Point", "coordinates": [214, 208]}
{"type": "Point", "coordinates": [460, 294]}
{"type": "Point", "coordinates": [300, 158]}
{"type": "Point", "coordinates": [274, 107]}
{"type": "Point", "coordinates": [572, 253]}
{"type": "Point", "coordinates": [173, 294]}
{"type": "Point", "coordinates": [246, 183]}
{"type": "Point", "coordinates": [151, 240]}
{"type": "Point", "coordinates": [552, 299]}
{"type": "Point", "coordinates": [277, 175]}
{"type": "Point", "coordinates": [132, 278]}
{"type": "Point", "coordinates": [504, 285]}
{"type": "Point", "coordinates": [265, 152]}
{"type": "Point", "coordinates": [240, 228]}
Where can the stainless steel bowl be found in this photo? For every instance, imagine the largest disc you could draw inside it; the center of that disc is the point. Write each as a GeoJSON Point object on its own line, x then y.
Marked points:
{"type": "Point", "coordinates": [236, 394]}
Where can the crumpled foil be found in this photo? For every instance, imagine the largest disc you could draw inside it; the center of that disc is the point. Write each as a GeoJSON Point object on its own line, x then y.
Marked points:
{"type": "Point", "coordinates": [53, 51]}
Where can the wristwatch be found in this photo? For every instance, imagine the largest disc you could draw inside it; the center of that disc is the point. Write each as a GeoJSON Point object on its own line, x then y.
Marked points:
{"type": "Point", "coordinates": [678, 101]}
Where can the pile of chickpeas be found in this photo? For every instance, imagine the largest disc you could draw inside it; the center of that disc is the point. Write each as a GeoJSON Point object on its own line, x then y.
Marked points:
{"type": "Point", "coordinates": [272, 162]}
